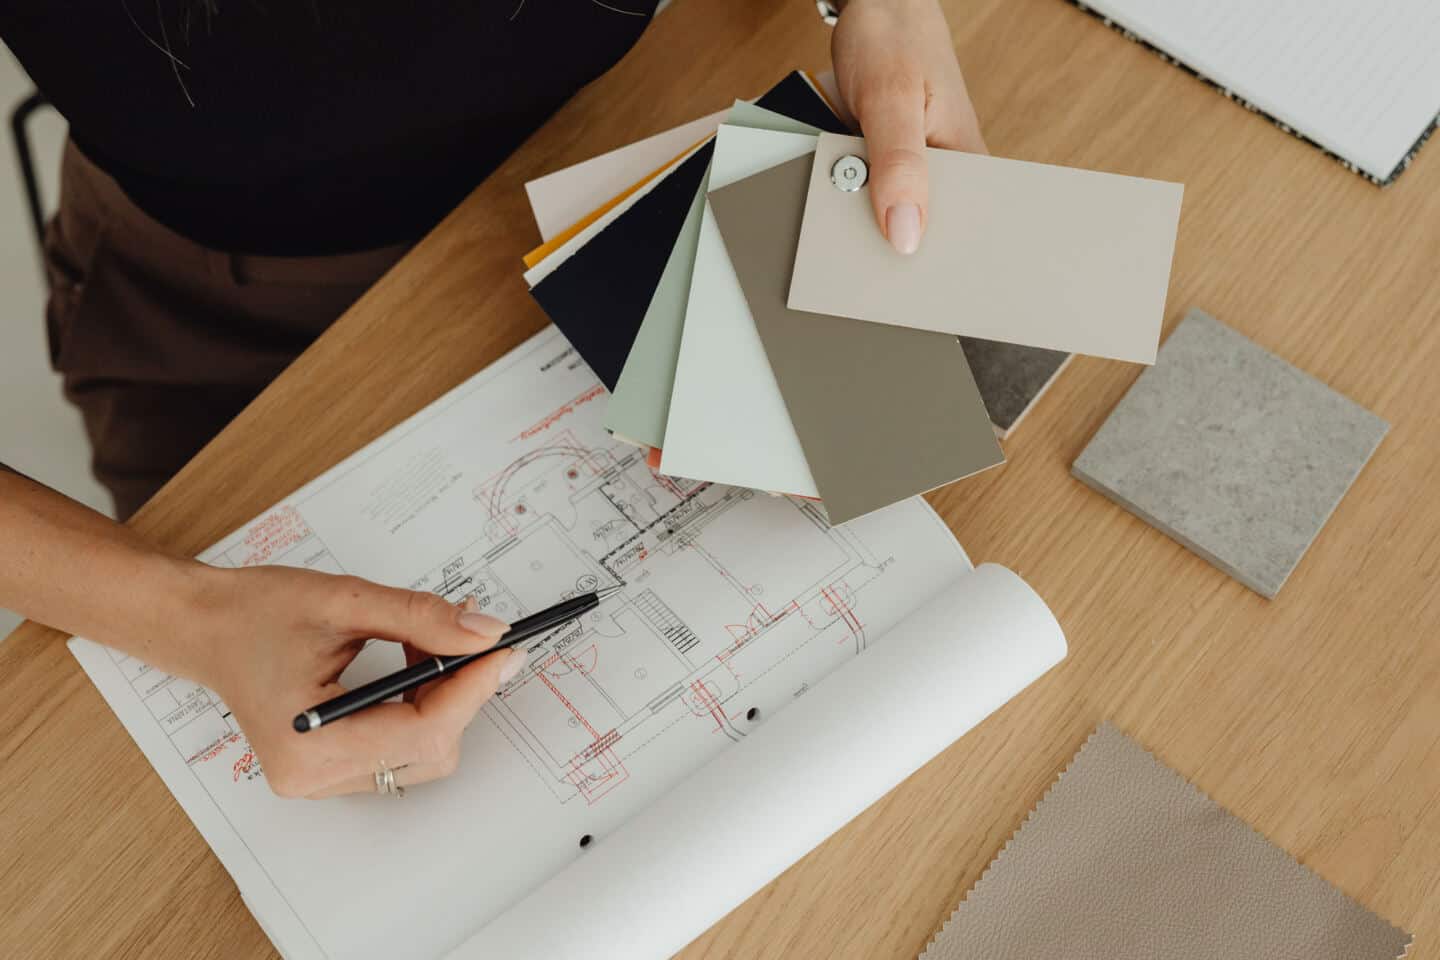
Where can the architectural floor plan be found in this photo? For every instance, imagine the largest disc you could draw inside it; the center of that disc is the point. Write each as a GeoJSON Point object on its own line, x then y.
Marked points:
{"type": "Point", "coordinates": [508, 490]}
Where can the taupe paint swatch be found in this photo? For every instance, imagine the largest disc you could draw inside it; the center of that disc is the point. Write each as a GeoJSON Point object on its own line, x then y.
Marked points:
{"type": "Point", "coordinates": [1018, 252]}
{"type": "Point", "coordinates": [882, 413]}
{"type": "Point", "coordinates": [1125, 860]}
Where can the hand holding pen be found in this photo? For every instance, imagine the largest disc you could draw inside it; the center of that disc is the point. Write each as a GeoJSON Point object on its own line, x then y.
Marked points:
{"type": "Point", "coordinates": [434, 667]}
{"type": "Point", "coordinates": [272, 640]}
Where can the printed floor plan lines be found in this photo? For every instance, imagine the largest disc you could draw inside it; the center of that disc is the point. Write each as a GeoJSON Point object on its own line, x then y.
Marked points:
{"type": "Point", "coordinates": [566, 517]}
{"type": "Point", "coordinates": [701, 617]}
{"type": "Point", "coordinates": [508, 489]}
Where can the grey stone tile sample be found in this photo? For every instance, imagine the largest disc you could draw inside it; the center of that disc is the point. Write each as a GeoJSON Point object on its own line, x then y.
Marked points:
{"type": "Point", "coordinates": [1011, 377]}
{"type": "Point", "coordinates": [1231, 451]}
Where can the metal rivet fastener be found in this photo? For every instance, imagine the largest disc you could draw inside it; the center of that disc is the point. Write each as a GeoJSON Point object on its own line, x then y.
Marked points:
{"type": "Point", "coordinates": [849, 173]}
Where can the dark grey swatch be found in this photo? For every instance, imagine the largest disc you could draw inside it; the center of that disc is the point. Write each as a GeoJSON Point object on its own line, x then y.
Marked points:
{"type": "Point", "coordinates": [881, 412]}
{"type": "Point", "coordinates": [1010, 376]}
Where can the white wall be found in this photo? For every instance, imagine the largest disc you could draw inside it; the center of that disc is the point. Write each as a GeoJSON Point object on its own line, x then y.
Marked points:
{"type": "Point", "coordinates": [40, 434]}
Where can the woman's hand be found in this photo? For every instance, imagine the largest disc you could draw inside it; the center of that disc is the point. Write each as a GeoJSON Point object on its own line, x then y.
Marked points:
{"type": "Point", "coordinates": [272, 641]}
{"type": "Point", "coordinates": [896, 67]}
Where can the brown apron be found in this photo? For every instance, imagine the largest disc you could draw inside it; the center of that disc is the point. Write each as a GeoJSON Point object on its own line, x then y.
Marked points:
{"type": "Point", "coordinates": [162, 341]}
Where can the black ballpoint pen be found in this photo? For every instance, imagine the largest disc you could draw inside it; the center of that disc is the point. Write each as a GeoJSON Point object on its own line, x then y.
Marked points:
{"type": "Point", "coordinates": [429, 669]}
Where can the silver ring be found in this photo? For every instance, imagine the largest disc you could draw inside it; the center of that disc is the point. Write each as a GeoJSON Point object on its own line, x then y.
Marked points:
{"type": "Point", "coordinates": [385, 781]}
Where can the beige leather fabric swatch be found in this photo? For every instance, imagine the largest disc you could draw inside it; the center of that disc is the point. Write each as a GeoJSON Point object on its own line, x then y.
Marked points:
{"type": "Point", "coordinates": [882, 413]}
{"type": "Point", "coordinates": [1018, 252]}
{"type": "Point", "coordinates": [1125, 860]}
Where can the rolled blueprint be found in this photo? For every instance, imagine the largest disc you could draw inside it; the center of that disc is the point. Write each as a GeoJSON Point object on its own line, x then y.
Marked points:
{"type": "Point", "coordinates": [677, 867]}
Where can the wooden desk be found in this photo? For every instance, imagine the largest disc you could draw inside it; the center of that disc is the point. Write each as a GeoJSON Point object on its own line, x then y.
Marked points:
{"type": "Point", "coordinates": [1316, 717]}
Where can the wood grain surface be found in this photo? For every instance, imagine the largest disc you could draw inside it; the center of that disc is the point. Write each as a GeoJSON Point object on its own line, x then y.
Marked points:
{"type": "Point", "coordinates": [1315, 717]}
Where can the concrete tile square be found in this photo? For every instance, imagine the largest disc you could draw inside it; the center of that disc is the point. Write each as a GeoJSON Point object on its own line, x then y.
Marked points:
{"type": "Point", "coordinates": [1231, 451]}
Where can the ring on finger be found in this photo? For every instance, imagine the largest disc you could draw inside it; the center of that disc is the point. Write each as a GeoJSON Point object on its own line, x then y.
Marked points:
{"type": "Point", "coordinates": [385, 780]}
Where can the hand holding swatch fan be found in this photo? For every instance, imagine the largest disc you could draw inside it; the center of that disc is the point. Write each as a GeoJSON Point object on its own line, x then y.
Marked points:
{"type": "Point", "coordinates": [767, 336]}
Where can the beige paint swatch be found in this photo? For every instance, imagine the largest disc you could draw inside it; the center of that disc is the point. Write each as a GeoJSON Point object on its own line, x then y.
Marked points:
{"type": "Point", "coordinates": [1125, 860]}
{"type": "Point", "coordinates": [1018, 252]}
{"type": "Point", "coordinates": [882, 413]}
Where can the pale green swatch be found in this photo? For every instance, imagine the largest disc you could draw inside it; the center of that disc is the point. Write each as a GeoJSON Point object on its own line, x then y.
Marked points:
{"type": "Point", "coordinates": [640, 403]}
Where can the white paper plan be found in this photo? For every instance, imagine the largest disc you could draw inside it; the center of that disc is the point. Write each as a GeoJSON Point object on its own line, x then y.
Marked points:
{"type": "Point", "coordinates": [740, 611]}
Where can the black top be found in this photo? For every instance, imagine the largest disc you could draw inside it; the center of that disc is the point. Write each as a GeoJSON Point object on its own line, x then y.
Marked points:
{"type": "Point", "coordinates": [290, 127]}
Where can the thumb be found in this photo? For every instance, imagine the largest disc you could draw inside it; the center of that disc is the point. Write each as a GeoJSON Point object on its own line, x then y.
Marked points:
{"type": "Point", "coordinates": [423, 620]}
{"type": "Point", "coordinates": [894, 128]}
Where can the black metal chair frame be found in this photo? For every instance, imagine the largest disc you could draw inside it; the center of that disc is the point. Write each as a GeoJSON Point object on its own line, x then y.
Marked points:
{"type": "Point", "coordinates": [25, 157]}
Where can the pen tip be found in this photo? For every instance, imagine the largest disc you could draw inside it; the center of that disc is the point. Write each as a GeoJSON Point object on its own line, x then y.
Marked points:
{"type": "Point", "coordinates": [611, 590]}
{"type": "Point", "coordinates": [302, 723]}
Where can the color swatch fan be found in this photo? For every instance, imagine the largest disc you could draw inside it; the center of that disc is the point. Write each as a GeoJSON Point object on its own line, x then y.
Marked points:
{"type": "Point", "coordinates": [755, 329]}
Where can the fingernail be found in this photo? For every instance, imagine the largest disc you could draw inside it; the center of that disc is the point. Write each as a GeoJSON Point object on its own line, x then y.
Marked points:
{"type": "Point", "coordinates": [902, 226]}
{"type": "Point", "coordinates": [513, 664]}
{"type": "Point", "coordinates": [483, 624]}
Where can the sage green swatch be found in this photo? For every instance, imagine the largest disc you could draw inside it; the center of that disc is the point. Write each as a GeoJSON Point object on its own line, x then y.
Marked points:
{"type": "Point", "coordinates": [640, 403]}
